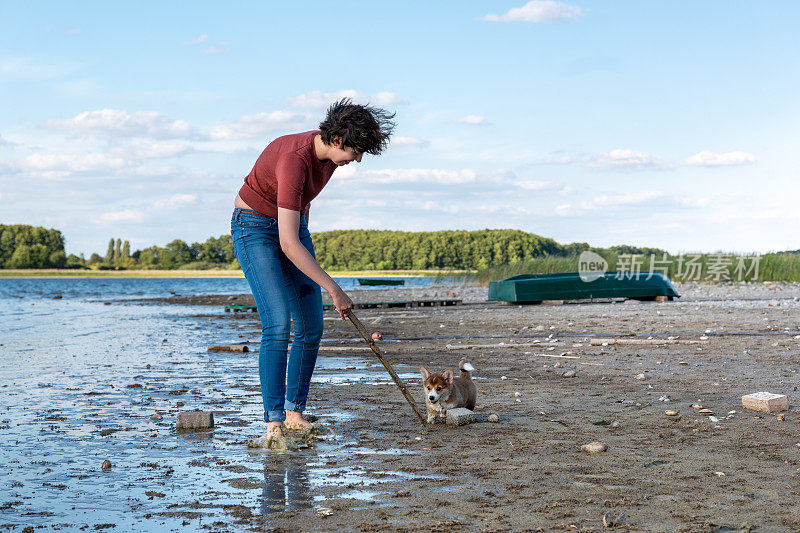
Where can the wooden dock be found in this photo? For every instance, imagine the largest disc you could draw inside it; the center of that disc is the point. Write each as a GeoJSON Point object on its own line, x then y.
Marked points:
{"type": "Point", "coordinates": [362, 305]}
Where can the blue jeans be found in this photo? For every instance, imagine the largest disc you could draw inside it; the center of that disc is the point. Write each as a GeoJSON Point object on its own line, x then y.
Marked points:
{"type": "Point", "coordinates": [281, 292]}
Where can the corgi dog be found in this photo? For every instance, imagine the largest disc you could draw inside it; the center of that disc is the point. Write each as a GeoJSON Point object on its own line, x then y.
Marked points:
{"type": "Point", "coordinates": [445, 391]}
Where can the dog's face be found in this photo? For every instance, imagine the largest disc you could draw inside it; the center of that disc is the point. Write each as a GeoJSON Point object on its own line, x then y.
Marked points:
{"type": "Point", "coordinates": [437, 386]}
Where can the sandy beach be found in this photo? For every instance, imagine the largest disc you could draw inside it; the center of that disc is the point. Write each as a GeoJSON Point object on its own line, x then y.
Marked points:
{"type": "Point", "coordinates": [736, 471]}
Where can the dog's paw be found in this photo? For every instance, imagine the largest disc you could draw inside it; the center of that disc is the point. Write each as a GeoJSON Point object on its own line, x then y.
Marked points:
{"type": "Point", "coordinates": [431, 417]}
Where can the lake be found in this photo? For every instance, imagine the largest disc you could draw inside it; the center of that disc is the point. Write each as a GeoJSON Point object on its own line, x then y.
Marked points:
{"type": "Point", "coordinates": [81, 377]}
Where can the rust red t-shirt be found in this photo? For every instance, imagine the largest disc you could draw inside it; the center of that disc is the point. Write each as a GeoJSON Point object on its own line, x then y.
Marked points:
{"type": "Point", "coordinates": [287, 174]}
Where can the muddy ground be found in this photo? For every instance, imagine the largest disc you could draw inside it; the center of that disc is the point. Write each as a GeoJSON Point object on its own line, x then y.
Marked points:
{"type": "Point", "coordinates": [381, 469]}
{"type": "Point", "coordinates": [527, 472]}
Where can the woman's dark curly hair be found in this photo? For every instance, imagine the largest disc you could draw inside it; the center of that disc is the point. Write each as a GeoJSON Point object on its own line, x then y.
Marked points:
{"type": "Point", "coordinates": [365, 128]}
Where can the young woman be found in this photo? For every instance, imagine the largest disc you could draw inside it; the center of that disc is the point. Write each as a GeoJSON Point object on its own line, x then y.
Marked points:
{"type": "Point", "coordinates": [270, 234]}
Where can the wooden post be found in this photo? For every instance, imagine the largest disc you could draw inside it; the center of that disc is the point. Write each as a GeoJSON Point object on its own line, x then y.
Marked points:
{"type": "Point", "coordinates": [399, 382]}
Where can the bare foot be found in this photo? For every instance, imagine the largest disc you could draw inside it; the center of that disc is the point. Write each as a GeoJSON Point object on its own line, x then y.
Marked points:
{"type": "Point", "coordinates": [274, 429]}
{"type": "Point", "coordinates": [295, 420]}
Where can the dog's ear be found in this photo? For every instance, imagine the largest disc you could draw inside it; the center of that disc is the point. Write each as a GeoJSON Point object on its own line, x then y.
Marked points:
{"type": "Point", "coordinates": [448, 375]}
{"type": "Point", "coordinates": [424, 372]}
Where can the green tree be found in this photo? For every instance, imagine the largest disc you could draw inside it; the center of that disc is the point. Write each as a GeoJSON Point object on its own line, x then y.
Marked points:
{"type": "Point", "coordinates": [110, 252]}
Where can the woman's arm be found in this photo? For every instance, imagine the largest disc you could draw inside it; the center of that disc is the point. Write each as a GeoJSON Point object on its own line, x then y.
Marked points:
{"type": "Point", "coordinates": [288, 229]}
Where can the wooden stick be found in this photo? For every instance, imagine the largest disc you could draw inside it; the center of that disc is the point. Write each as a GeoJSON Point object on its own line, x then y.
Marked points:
{"type": "Point", "coordinates": [499, 345]}
{"type": "Point", "coordinates": [557, 356]}
{"type": "Point", "coordinates": [399, 382]}
{"type": "Point", "coordinates": [600, 342]}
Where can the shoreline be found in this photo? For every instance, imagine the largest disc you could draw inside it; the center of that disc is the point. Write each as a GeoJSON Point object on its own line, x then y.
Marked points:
{"type": "Point", "coordinates": [65, 273]}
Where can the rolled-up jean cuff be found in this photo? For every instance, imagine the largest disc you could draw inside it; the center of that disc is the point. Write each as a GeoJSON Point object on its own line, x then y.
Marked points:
{"type": "Point", "coordinates": [289, 406]}
{"type": "Point", "coordinates": [275, 416]}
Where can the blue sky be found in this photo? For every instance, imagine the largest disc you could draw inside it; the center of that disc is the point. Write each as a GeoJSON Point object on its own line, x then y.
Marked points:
{"type": "Point", "coordinates": [669, 124]}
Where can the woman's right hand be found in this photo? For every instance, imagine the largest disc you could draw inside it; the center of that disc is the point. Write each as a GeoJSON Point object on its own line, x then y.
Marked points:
{"type": "Point", "coordinates": [342, 303]}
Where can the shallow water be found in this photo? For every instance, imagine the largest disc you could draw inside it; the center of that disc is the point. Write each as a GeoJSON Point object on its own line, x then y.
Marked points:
{"type": "Point", "coordinates": [80, 378]}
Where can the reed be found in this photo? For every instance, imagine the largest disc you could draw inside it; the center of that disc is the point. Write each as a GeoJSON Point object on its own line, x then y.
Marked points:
{"type": "Point", "coordinates": [710, 267]}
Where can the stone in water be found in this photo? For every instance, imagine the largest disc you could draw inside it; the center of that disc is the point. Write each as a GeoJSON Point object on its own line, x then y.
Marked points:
{"type": "Point", "coordinates": [195, 420]}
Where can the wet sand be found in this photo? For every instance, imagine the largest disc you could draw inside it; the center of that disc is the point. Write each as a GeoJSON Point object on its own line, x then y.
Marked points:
{"type": "Point", "coordinates": [381, 470]}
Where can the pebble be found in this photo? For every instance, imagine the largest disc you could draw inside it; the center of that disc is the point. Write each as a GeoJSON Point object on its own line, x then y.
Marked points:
{"type": "Point", "coordinates": [781, 418]}
{"type": "Point", "coordinates": [664, 398]}
{"type": "Point", "coordinates": [494, 417]}
{"type": "Point", "coordinates": [713, 419]}
{"type": "Point", "coordinates": [615, 424]}
{"type": "Point", "coordinates": [106, 464]}
{"type": "Point", "coordinates": [706, 412]}
{"type": "Point", "coordinates": [557, 365]}
{"type": "Point", "coordinates": [641, 377]}
{"type": "Point", "coordinates": [324, 511]}
{"type": "Point", "coordinates": [417, 438]}
{"type": "Point", "coordinates": [503, 378]}
{"type": "Point", "coordinates": [719, 474]}
{"type": "Point", "coordinates": [377, 336]}
{"type": "Point", "coordinates": [156, 417]}
{"type": "Point", "coordinates": [696, 406]}
{"type": "Point", "coordinates": [671, 413]}
{"type": "Point", "coordinates": [594, 447]}
{"type": "Point", "coordinates": [568, 374]}
{"type": "Point", "coordinates": [517, 394]}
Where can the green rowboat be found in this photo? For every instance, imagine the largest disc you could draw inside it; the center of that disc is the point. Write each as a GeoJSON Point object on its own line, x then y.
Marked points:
{"type": "Point", "coordinates": [529, 288]}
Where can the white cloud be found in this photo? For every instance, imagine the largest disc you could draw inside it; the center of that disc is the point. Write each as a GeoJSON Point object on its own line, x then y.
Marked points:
{"type": "Point", "coordinates": [533, 185]}
{"type": "Point", "coordinates": [386, 99]}
{"type": "Point", "coordinates": [409, 141]}
{"type": "Point", "coordinates": [66, 163]}
{"type": "Point", "coordinates": [538, 11]}
{"type": "Point", "coordinates": [626, 159]}
{"type": "Point", "coordinates": [106, 122]}
{"type": "Point", "coordinates": [612, 202]}
{"type": "Point", "coordinates": [707, 158]}
{"type": "Point", "coordinates": [125, 215]}
{"type": "Point", "coordinates": [253, 126]}
{"type": "Point", "coordinates": [4, 142]}
{"type": "Point", "coordinates": [449, 207]}
{"type": "Point", "coordinates": [474, 120]}
{"type": "Point", "coordinates": [149, 149]}
{"type": "Point", "coordinates": [623, 159]}
{"type": "Point", "coordinates": [201, 39]}
{"type": "Point", "coordinates": [413, 175]}
{"type": "Point", "coordinates": [321, 100]}
{"type": "Point", "coordinates": [176, 201]}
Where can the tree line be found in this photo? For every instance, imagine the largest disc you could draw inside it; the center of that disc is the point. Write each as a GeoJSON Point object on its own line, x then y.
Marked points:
{"type": "Point", "coordinates": [23, 246]}
{"type": "Point", "coordinates": [35, 247]}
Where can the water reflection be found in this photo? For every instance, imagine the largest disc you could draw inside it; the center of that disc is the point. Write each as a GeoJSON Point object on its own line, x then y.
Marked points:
{"type": "Point", "coordinates": [286, 485]}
